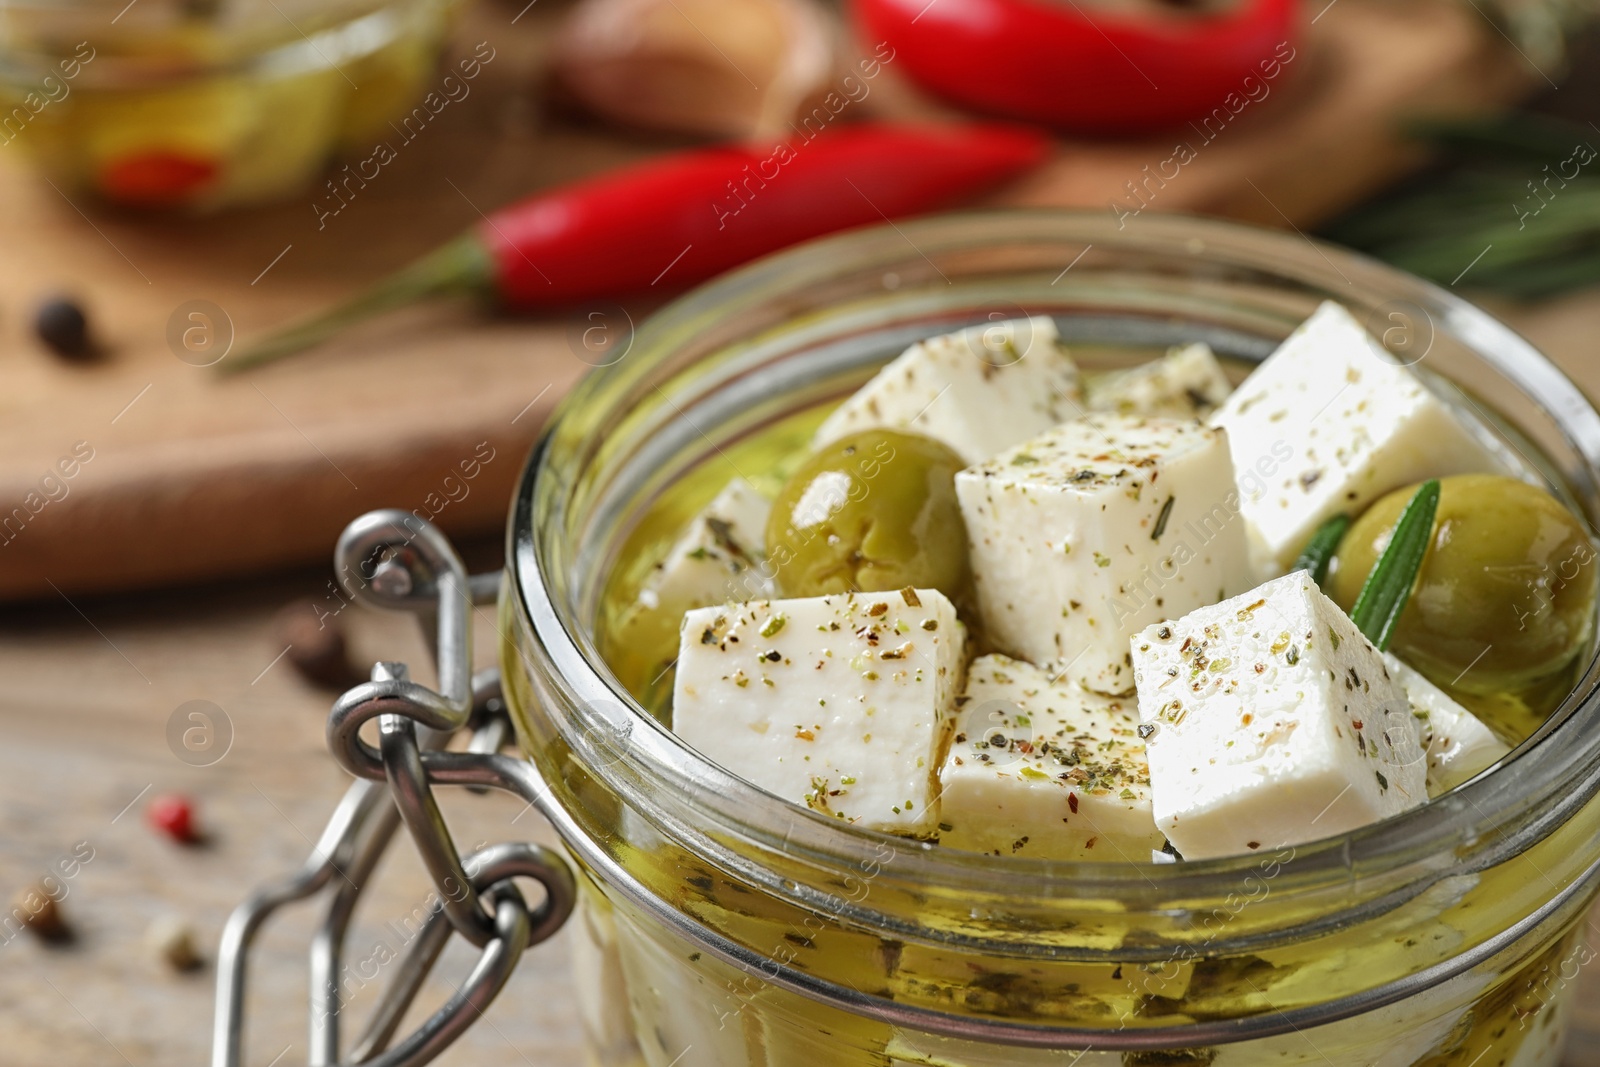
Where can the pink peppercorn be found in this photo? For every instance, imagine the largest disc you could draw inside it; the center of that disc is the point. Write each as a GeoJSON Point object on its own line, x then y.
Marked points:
{"type": "Point", "coordinates": [174, 816]}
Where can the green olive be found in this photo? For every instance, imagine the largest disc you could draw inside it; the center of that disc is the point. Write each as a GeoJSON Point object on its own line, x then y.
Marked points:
{"type": "Point", "coordinates": [871, 512]}
{"type": "Point", "coordinates": [1506, 593]}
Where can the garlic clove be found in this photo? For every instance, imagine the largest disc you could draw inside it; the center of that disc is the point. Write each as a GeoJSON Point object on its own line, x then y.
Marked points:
{"type": "Point", "coordinates": [720, 68]}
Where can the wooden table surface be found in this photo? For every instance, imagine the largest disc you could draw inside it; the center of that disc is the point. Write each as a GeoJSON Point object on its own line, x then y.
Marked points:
{"type": "Point", "coordinates": [90, 687]}
{"type": "Point", "coordinates": [197, 476]}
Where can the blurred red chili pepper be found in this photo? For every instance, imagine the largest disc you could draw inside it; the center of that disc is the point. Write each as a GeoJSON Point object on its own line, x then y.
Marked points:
{"type": "Point", "coordinates": [682, 218]}
{"type": "Point", "coordinates": [1100, 71]}
{"type": "Point", "coordinates": [156, 178]}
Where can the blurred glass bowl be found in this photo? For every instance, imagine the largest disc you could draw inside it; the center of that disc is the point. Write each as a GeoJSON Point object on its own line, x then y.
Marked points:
{"type": "Point", "coordinates": [207, 103]}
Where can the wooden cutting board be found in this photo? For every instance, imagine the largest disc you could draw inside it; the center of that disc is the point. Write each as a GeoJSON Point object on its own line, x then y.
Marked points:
{"type": "Point", "coordinates": [192, 476]}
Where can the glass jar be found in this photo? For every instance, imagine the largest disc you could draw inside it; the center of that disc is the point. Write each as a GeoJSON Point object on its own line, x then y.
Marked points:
{"type": "Point", "coordinates": [206, 103]}
{"type": "Point", "coordinates": [724, 926]}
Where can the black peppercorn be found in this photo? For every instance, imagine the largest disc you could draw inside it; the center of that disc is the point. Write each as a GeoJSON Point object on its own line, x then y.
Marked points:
{"type": "Point", "coordinates": [316, 646]}
{"type": "Point", "coordinates": [64, 328]}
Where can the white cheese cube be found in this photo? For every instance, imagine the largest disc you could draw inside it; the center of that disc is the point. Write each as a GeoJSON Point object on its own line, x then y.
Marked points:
{"type": "Point", "coordinates": [979, 390]}
{"type": "Point", "coordinates": [680, 1011]}
{"type": "Point", "coordinates": [1186, 383]}
{"type": "Point", "coordinates": [719, 557]}
{"type": "Point", "coordinates": [1396, 1035]}
{"type": "Point", "coordinates": [1275, 723]}
{"type": "Point", "coordinates": [840, 703]}
{"type": "Point", "coordinates": [1083, 536]}
{"type": "Point", "coordinates": [1045, 769]}
{"type": "Point", "coordinates": [1329, 423]}
{"type": "Point", "coordinates": [598, 985]}
{"type": "Point", "coordinates": [1457, 742]}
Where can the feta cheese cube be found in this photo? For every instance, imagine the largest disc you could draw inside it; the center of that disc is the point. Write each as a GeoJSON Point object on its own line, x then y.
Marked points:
{"type": "Point", "coordinates": [1186, 383]}
{"type": "Point", "coordinates": [1275, 723]}
{"type": "Point", "coordinates": [598, 984]}
{"type": "Point", "coordinates": [1045, 769]}
{"type": "Point", "coordinates": [1397, 1035]}
{"type": "Point", "coordinates": [1456, 741]}
{"type": "Point", "coordinates": [1083, 536]}
{"type": "Point", "coordinates": [679, 1011]}
{"type": "Point", "coordinates": [979, 390]}
{"type": "Point", "coordinates": [840, 703]}
{"type": "Point", "coordinates": [719, 557]}
{"type": "Point", "coordinates": [1329, 423]}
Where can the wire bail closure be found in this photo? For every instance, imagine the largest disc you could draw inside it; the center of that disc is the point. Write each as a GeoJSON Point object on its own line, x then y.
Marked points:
{"type": "Point", "coordinates": [393, 560]}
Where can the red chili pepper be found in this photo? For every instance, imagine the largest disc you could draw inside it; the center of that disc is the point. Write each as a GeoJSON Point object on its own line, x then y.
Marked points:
{"type": "Point", "coordinates": [173, 816]}
{"type": "Point", "coordinates": [670, 222]}
{"type": "Point", "coordinates": [1096, 70]}
{"type": "Point", "coordinates": [156, 179]}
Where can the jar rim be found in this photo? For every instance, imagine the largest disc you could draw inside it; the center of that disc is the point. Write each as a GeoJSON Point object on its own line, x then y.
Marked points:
{"type": "Point", "coordinates": [343, 29]}
{"type": "Point", "coordinates": [1477, 825]}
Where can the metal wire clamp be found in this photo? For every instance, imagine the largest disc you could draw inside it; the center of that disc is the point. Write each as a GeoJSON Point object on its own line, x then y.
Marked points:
{"type": "Point", "coordinates": [393, 560]}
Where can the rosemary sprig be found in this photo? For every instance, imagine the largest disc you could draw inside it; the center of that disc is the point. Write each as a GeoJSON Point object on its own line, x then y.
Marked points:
{"type": "Point", "coordinates": [1526, 136]}
{"type": "Point", "coordinates": [1387, 588]}
{"type": "Point", "coordinates": [1318, 552]}
{"type": "Point", "coordinates": [1519, 203]}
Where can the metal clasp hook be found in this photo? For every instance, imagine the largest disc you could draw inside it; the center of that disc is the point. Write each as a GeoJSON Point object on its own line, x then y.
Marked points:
{"type": "Point", "coordinates": [393, 560]}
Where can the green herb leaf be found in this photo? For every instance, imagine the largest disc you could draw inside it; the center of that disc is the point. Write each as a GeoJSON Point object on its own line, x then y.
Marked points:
{"type": "Point", "coordinates": [1161, 520]}
{"type": "Point", "coordinates": [1516, 199]}
{"type": "Point", "coordinates": [1524, 137]}
{"type": "Point", "coordinates": [1318, 552]}
{"type": "Point", "coordinates": [1386, 590]}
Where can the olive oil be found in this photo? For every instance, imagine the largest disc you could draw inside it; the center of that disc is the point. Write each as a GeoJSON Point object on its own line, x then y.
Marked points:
{"type": "Point", "coordinates": [680, 996]}
{"type": "Point", "coordinates": [640, 644]}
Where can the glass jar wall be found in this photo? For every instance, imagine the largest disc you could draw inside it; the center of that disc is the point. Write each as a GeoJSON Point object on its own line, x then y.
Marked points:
{"type": "Point", "coordinates": [724, 926]}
